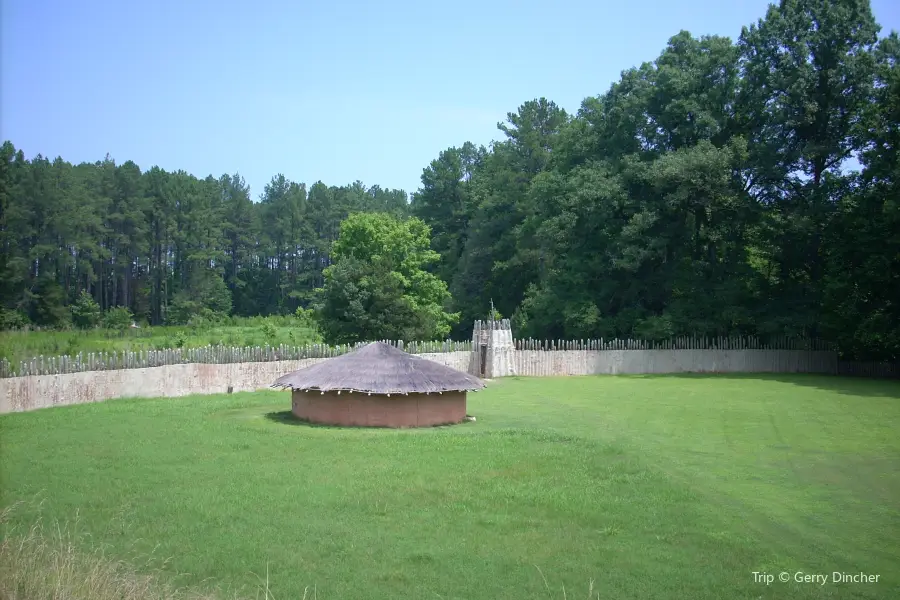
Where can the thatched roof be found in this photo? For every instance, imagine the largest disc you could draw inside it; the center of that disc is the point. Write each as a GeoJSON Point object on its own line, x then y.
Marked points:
{"type": "Point", "coordinates": [379, 368]}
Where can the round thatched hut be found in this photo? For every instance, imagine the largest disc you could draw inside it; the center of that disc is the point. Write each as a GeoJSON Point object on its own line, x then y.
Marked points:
{"type": "Point", "coordinates": [379, 386]}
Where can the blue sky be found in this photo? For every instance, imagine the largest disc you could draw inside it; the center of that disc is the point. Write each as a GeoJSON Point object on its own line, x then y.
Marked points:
{"type": "Point", "coordinates": [336, 91]}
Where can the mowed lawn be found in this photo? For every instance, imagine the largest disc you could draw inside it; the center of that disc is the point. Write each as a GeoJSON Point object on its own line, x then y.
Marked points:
{"type": "Point", "coordinates": [651, 486]}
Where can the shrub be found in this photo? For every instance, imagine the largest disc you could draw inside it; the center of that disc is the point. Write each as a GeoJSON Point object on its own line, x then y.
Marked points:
{"type": "Point", "coordinates": [305, 317]}
{"type": "Point", "coordinates": [72, 346]}
{"type": "Point", "coordinates": [269, 332]}
{"type": "Point", "coordinates": [197, 323]}
{"type": "Point", "coordinates": [655, 328]}
{"type": "Point", "coordinates": [118, 318]}
{"type": "Point", "coordinates": [180, 340]}
{"type": "Point", "coordinates": [180, 311]}
{"type": "Point", "coordinates": [85, 311]}
{"type": "Point", "coordinates": [12, 319]}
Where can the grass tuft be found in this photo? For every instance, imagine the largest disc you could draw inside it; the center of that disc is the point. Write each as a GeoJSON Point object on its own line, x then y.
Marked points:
{"type": "Point", "coordinates": [57, 562]}
{"type": "Point", "coordinates": [50, 563]}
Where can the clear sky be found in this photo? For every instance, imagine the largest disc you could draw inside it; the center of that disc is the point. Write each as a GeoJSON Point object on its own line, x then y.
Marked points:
{"type": "Point", "coordinates": [331, 90]}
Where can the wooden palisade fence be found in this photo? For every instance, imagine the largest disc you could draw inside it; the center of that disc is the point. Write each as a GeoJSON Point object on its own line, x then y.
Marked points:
{"type": "Point", "coordinates": [849, 368]}
{"type": "Point", "coordinates": [103, 361]}
{"type": "Point", "coordinates": [679, 343]}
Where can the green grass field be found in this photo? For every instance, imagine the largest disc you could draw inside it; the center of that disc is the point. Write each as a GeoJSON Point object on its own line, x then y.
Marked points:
{"type": "Point", "coordinates": [651, 486]}
{"type": "Point", "coordinates": [235, 331]}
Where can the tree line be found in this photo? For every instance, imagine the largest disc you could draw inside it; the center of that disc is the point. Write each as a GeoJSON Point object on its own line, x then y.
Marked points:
{"type": "Point", "coordinates": [744, 187]}
{"type": "Point", "coordinates": [167, 246]}
{"type": "Point", "coordinates": [726, 188]}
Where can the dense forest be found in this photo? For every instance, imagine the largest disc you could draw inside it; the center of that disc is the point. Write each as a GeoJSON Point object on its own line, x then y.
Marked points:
{"type": "Point", "coordinates": [746, 187]}
{"type": "Point", "coordinates": [166, 245]}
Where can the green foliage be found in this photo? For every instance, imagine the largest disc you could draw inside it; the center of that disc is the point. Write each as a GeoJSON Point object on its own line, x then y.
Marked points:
{"type": "Point", "coordinates": [306, 317]}
{"type": "Point", "coordinates": [47, 305]}
{"type": "Point", "coordinates": [179, 340]}
{"type": "Point", "coordinates": [377, 287]}
{"type": "Point", "coordinates": [12, 319]}
{"type": "Point", "coordinates": [269, 332]}
{"type": "Point", "coordinates": [207, 299]}
{"type": "Point", "coordinates": [182, 310]}
{"type": "Point", "coordinates": [168, 246]}
{"type": "Point", "coordinates": [118, 317]}
{"type": "Point", "coordinates": [705, 192]}
{"type": "Point", "coordinates": [85, 311]}
{"type": "Point", "coordinates": [861, 287]}
{"type": "Point", "coordinates": [232, 331]}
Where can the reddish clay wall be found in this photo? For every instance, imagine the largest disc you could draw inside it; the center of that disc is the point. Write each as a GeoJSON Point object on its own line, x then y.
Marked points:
{"type": "Point", "coordinates": [362, 410]}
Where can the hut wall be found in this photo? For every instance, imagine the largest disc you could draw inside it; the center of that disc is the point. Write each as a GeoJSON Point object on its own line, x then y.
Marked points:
{"type": "Point", "coordinates": [363, 410]}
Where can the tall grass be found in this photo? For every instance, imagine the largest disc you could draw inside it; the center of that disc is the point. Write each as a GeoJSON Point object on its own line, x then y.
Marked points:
{"type": "Point", "coordinates": [51, 563]}
{"type": "Point", "coordinates": [231, 331]}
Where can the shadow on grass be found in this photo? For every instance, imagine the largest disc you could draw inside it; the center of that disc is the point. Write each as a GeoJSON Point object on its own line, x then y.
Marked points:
{"type": "Point", "coordinates": [851, 386]}
{"type": "Point", "coordinates": [286, 417]}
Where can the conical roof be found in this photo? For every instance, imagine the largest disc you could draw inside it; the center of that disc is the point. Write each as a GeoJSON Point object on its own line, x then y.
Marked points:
{"type": "Point", "coordinates": [379, 368]}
